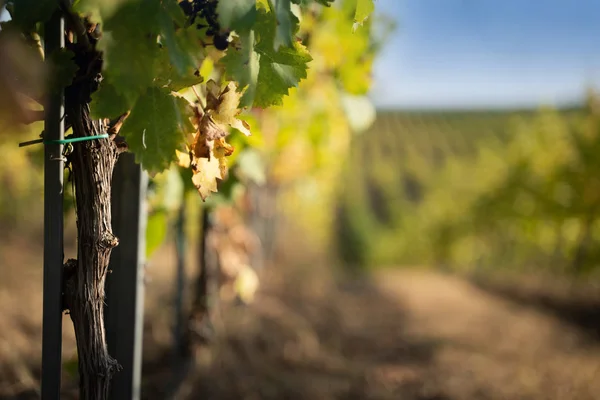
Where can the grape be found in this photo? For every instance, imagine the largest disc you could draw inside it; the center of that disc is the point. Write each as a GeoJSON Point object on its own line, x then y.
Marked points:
{"type": "Point", "coordinates": [186, 7]}
{"type": "Point", "coordinates": [221, 42]}
{"type": "Point", "coordinates": [207, 10]}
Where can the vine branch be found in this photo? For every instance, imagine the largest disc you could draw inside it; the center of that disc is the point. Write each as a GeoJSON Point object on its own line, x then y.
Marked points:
{"type": "Point", "coordinates": [76, 24]}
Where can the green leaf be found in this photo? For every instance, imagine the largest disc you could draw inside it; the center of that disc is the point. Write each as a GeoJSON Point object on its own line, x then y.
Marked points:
{"type": "Point", "coordinates": [155, 128]}
{"type": "Point", "coordinates": [267, 74]}
{"type": "Point", "coordinates": [180, 47]}
{"type": "Point", "coordinates": [63, 68]}
{"type": "Point", "coordinates": [27, 13]}
{"type": "Point", "coordinates": [285, 27]}
{"type": "Point", "coordinates": [325, 3]}
{"type": "Point", "coordinates": [107, 102]}
{"type": "Point", "coordinates": [168, 75]}
{"type": "Point", "coordinates": [243, 66]}
{"type": "Point", "coordinates": [156, 230]}
{"type": "Point", "coordinates": [130, 47]}
{"type": "Point", "coordinates": [364, 8]}
{"type": "Point", "coordinates": [97, 10]}
{"type": "Point", "coordinates": [133, 56]}
{"type": "Point", "coordinates": [237, 15]}
{"type": "Point", "coordinates": [306, 3]}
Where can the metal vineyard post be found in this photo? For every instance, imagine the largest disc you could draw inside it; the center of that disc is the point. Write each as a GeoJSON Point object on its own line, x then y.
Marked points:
{"type": "Point", "coordinates": [54, 129]}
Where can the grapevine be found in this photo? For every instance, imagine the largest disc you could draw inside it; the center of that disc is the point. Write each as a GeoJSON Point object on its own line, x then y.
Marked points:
{"type": "Point", "coordinates": [206, 10]}
{"type": "Point", "coordinates": [169, 81]}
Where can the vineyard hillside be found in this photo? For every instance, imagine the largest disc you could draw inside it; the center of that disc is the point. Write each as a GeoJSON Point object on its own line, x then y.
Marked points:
{"type": "Point", "coordinates": [446, 188]}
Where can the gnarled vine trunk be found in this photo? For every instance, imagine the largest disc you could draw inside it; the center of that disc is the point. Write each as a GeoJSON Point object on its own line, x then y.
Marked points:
{"type": "Point", "coordinates": [92, 164]}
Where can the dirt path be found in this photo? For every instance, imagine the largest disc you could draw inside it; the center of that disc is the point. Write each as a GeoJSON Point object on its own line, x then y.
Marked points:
{"type": "Point", "coordinates": [409, 335]}
{"type": "Point", "coordinates": [489, 348]}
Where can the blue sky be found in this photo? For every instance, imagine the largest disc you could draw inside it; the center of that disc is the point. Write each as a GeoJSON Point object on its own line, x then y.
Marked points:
{"type": "Point", "coordinates": [487, 53]}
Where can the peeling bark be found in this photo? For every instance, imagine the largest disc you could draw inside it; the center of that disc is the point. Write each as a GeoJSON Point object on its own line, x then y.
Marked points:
{"type": "Point", "coordinates": [92, 165]}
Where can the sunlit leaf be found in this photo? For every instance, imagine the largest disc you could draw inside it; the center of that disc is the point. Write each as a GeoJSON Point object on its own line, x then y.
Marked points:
{"type": "Point", "coordinates": [364, 8]}
{"type": "Point", "coordinates": [267, 73]}
{"type": "Point", "coordinates": [237, 15]}
{"type": "Point", "coordinates": [156, 129]}
{"type": "Point", "coordinates": [286, 22]}
{"type": "Point", "coordinates": [108, 103]}
{"type": "Point", "coordinates": [130, 48]}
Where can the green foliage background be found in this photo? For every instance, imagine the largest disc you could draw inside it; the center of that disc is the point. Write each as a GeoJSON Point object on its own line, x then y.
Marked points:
{"type": "Point", "coordinates": [473, 190]}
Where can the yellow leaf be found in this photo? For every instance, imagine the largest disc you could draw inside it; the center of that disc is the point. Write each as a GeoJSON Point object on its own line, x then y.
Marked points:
{"type": "Point", "coordinates": [183, 159]}
{"type": "Point", "coordinates": [241, 126]}
{"type": "Point", "coordinates": [208, 148]}
{"type": "Point", "coordinates": [228, 103]}
{"type": "Point", "coordinates": [222, 105]}
{"type": "Point", "coordinates": [207, 67]}
{"type": "Point", "coordinates": [213, 92]}
{"type": "Point", "coordinates": [205, 176]}
{"type": "Point", "coordinates": [221, 150]}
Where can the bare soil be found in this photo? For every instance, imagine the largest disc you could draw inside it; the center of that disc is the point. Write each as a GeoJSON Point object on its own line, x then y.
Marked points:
{"type": "Point", "coordinates": [399, 334]}
{"type": "Point", "coordinates": [491, 347]}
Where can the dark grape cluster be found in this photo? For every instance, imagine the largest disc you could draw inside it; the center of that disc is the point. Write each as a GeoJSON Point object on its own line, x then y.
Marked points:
{"type": "Point", "coordinates": [207, 11]}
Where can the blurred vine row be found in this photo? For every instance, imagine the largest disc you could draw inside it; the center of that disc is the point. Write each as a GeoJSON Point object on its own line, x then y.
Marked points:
{"type": "Point", "coordinates": [475, 190]}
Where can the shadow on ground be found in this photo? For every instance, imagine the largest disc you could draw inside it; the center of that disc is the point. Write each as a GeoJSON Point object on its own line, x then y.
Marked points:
{"type": "Point", "coordinates": [580, 311]}
{"type": "Point", "coordinates": [310, 337]}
